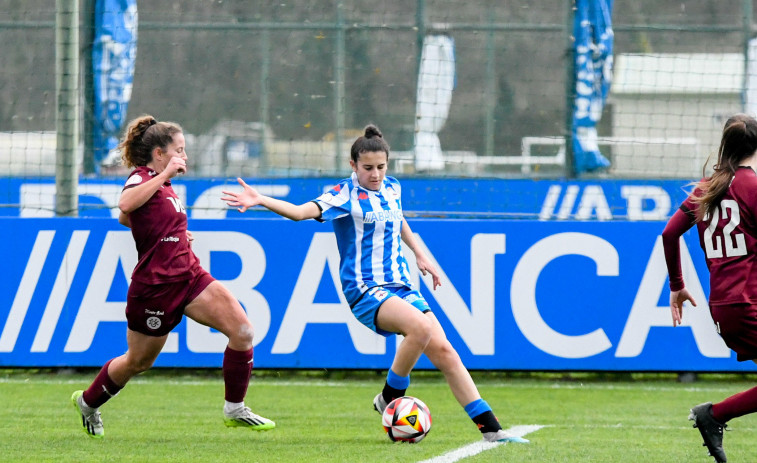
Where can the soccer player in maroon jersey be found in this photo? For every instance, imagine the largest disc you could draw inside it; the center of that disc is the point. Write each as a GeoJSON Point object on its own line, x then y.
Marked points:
{"type": "Point", "coordinates": [167, 281]}
{"type": "Point", "coordinates": [724, 209]}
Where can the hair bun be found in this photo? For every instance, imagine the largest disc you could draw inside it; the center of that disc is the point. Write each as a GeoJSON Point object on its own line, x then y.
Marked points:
{"type": "Point", "coordinates": [372, 131]}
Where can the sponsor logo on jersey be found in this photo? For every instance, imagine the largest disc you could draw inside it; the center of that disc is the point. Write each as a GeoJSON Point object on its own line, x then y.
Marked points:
{"type": "Point", "coordinates": [362, 195]}
{"type": "Point", "coordinates": [154, 312]}
{"type": "Point", "coordinates": [382, 216]}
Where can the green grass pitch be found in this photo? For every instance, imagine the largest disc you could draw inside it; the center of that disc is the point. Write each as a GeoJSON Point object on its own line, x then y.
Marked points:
{"type": "Point", "coordinates": [175, 416]}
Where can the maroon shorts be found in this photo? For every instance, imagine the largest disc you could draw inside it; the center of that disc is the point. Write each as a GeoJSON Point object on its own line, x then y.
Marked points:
{"type": "Point", "coordinates": [737, 325]}
{"type": "Point", "coordinates": [155, 310]}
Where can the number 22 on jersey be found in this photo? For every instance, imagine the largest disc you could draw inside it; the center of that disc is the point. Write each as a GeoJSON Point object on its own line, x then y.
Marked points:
{"type": "Point", "coordinates": [733, 245]}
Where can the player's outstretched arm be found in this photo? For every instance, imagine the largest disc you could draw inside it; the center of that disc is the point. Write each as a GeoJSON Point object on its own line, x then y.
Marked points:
{"type": "Point", "coordinates": [677, 298]}
{"type": "Point", "coordinates": [249, 197]}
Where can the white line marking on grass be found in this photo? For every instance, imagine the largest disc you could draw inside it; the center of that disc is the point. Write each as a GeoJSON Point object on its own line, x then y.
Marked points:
{"type": "Point", "coordinates": [481, 446]}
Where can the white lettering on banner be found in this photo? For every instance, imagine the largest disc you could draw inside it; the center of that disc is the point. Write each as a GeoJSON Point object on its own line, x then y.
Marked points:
{"type": "Point", "coordinates": [523, 292]}
{"type": "Point", "coordinates": [568, 201]}
{"type": "Point", "coordinates": [550, 202]}
{"type": "Point", "coordinates": [60, 290]}
{"type": "Point", "coordinates": [594, 202]}
{"type": "Point", "coordinates": [25, 291]}
{"type": "Point", "coordinates": [475, 325]}
{"type": "Point", "coordinates": [302, 310]}
{"type": "Point", "coordinates": [200, 338]}
{"type": "Point", "coordinates": [635, 196]}
{"type": "Point", "coordinates": [118, 247]}
{"type": "Point", "coordinates": [645, 313]}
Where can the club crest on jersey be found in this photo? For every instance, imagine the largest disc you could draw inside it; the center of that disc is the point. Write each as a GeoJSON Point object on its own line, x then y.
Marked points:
{"type": "Point", "coordinates": [153, 323]}
{"type": "Point", "coordinates": [382, 216]}
{"type": "Point", "coordinates": [378, 293]}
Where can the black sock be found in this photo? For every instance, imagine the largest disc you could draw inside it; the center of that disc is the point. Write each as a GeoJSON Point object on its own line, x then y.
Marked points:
{"type": "Point", "coordinates": [487, 422]}
{"type": "Point", "coordinates": [389, 393]}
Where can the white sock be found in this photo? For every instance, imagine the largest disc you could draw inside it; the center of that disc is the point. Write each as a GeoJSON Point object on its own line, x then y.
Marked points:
{"type": "Point", "coordinates": [231, 407]}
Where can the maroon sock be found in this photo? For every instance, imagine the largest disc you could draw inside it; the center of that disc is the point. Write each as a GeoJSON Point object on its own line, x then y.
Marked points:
{"type": "Point", "coordinates": [101, 389]}
{"type": "Point", "coordinates": [237, 367]}
{"type": "Point", "coordinates": [737, 405]}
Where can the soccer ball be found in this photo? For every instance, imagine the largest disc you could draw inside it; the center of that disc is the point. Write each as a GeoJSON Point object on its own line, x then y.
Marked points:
{"type": "Point", "coordinates": [406, 419]}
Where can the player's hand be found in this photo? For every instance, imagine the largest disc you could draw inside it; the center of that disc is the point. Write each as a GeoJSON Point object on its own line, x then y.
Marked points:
{"type": "Point", "coordinates": [190, 238]}
{"type": "Point", "coordinates": [426, 267]}
{"type": "Point", "coordinates": [244, 199]}
{"type": "Point", "coordinates": [677, 298]}
{"type": "Point", "coordinates": [176, 166]}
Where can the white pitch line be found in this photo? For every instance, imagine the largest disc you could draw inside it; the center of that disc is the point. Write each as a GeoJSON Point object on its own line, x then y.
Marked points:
{"type": "Point", "coordinates": [481, 446]}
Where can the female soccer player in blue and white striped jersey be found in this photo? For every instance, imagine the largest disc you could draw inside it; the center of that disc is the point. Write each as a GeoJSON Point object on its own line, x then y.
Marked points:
{"type": "Point", "coordinates": [366, 212]}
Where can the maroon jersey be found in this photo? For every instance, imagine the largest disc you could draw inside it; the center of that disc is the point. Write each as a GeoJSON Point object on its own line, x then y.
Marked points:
{"type": "Point", "coordinates": [159, 228]}
{"type": "Point", "coordinates": [728, 239]}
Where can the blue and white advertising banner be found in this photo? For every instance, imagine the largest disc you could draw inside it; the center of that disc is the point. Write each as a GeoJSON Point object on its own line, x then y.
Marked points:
{"type": "Point", "coordinates": [583, 200]}
{"type": "Point", "coordinates": [114, 52]}
{"type": "Point", "coordinates": [515, 295]}
{"type": "Point", "coordinates": [593, 66]}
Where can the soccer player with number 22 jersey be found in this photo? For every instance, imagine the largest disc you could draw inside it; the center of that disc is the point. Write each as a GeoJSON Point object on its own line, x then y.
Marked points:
{"type": "Point", "coordinates": [724, 209]}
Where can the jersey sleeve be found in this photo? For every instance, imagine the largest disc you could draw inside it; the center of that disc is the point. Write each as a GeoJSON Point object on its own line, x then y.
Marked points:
{"type": "Point", "coordinates": [137, 177]}
{"type": "Point", "coordinates": [335, 203]}
{"type": "Point", "coordinates": [682, 221]}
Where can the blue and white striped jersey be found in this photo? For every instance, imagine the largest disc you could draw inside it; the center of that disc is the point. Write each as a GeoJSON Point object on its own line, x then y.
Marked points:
{"type": "Point", "coordinates": [367, 226]}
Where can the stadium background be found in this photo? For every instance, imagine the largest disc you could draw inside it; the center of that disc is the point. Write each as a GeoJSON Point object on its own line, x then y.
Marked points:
{"type": "Point", "coordinates": [532, 248]}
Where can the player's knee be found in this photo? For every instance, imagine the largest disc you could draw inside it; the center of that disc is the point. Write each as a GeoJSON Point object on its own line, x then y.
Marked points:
{"type": "Point", "coordinates": [448, 353]}
{"type": "Point", "coordinates": [245, 334]}
{"type": "Point", "coordinates": [422, 331]}
{"type": "Point", "coordinates": [443, 355]}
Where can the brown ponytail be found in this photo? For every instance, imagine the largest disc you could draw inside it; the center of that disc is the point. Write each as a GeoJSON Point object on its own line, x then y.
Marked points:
{"type": "Point", "coordinates": [144, 134]}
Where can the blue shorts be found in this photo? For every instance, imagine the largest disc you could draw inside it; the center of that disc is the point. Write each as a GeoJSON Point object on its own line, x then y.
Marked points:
{"type": "Point", "coordinates": [367, 307]}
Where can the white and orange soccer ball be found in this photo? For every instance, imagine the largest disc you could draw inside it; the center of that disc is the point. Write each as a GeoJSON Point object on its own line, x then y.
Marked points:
{"type": "Point", "coordinates": [406, 419]}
